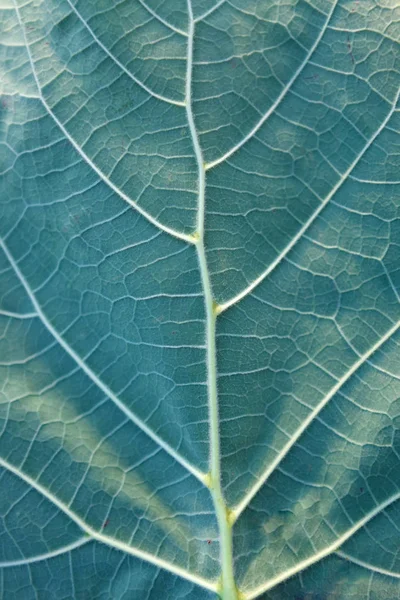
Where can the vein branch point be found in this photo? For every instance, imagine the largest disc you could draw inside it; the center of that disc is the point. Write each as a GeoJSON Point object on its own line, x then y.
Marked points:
{"type": "Point", "coordinates": [216, 307]}
{"type": "Point", "coordinates": [230, 516]}
{"type": "Point", "coordinates": [195, 237]}
{"type": "Point", "coordinates": [208, 480]}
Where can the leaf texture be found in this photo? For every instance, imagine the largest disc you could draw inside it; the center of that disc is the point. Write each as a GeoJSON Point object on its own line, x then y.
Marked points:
{"type": "Point", "coordinates": [199, 305]}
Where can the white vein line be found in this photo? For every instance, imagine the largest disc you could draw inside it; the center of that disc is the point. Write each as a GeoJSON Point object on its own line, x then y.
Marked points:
{"type": "Point", "coordinates": [227, 579]}
{"type": "Point", "coordinates": [374, 182]}
{"type": "Point", "coordinates": [193, 132]}
{"type": "Point", "coordinates": [363, 30]}
{"type": "Point", "coordinates": [47, 555]}
{"type": "Point", "coordinates": [210, 11]}
{"type": "Point", "coordinates": [285, 450]}
{"type": "Point", "coordinates": [117, 62]}
{"type": "Point", "coordinates": [161, 20]}
{"type": "Point", "coordinates": [14, 315]}
{"type": "Point", "coordinates": [323, 553]}
{"type": "Point", "coordinates": [103, 177]}
{"type": "Point", "coordinates": [281, 96]}
{"type": "Point", "coordinates": [107, 391]}
{"type": "Point", "coordinates": [71, 574]}
{"type": "Point", "coordinates": [366, 565]}
{"type": "Point", "coordinates": [222, 307]}
{"type": "Point", "coordinates": [101, 537]}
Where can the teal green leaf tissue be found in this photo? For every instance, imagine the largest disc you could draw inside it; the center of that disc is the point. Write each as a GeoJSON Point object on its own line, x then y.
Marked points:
{"type": "Point", "coordinates": [199, 300]}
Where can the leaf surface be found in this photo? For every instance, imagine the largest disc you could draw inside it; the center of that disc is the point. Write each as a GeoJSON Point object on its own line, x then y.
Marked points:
{"type": "Point", "coordinates": [199, 299]}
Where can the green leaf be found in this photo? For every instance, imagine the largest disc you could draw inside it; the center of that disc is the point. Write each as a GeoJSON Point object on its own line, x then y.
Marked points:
{"type": "Point", "coordinates": [199, 299]}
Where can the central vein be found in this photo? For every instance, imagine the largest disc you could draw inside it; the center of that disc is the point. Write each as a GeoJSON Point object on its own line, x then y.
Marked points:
{"type": "Point", "coordinates": [228, 586]}
{"type": "Point", "coordinates": [228, 589]}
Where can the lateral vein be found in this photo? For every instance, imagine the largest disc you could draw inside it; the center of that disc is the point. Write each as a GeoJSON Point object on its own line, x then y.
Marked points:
{"type": "Point", "coordinates": [323, 553]}
{"type": "Point", "coordinates": [163, 21]}
{"type": "Point", "coordinates": [117, 62]}
{"type": "Point", "coordinates": [101, 537]}
{"type": "Point", "coordinates": [307, 225]}
{"type": "Point", "coordinates": [53, 553]}
{"type": "Point", "coordinates": [102, 176]}
{"type": "Point", "coordinates": [105, 389]}
{"type": "Point", "coordinates": [237, 511]}
{"type": "Point", "coordinates": [281, 96]}
{"type": "Point", "coordinates": [365, 565]}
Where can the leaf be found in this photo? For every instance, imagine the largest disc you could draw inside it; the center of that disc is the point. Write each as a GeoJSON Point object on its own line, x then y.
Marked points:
{"type": "Point", "coordinates": [200, 299]}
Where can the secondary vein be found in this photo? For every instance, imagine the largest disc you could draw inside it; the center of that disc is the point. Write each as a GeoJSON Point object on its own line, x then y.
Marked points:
{"type": "Point", "coordinates": [85, 157]}
{"type": "Point", "coordinates": [99, 383]}
{"type": "Point", "coordinates": [108, 540]}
